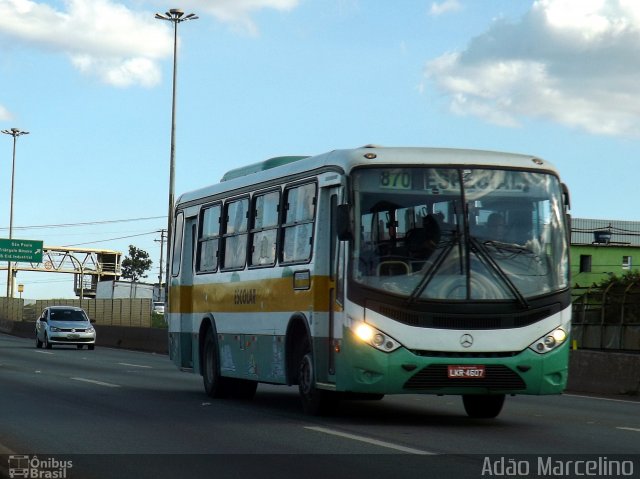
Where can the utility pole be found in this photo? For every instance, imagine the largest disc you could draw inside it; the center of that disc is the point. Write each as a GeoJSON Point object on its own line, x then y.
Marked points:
{"type": "Point", "coordinates": [163, 234]}
{"type": "Point", "coordinates": [15, 133]}
{"type": "Point", "coordinates": [175, 16]}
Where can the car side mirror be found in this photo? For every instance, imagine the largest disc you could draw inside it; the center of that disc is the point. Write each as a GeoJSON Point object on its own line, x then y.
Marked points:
{"type": "Point", "coordinates": [43, 319]}
{"type": "Point", "coordinates": [92, 321]}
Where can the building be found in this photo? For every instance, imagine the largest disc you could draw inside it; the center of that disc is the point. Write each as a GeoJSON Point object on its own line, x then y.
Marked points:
{"type": "Point", "coordinates": [127, 289]}
{"type": "Point", "coordinates": [603, 248]}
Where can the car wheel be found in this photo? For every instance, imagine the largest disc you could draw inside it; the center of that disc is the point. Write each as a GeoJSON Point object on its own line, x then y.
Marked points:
{"type": "Point", "coordinates": [79, 346]}
{"type": "Point", "coordinates": [38, 342]}
{"type": "Point", "coordinates": [46, 342]}
{"type": "Point", "coordinates": [91, 347]}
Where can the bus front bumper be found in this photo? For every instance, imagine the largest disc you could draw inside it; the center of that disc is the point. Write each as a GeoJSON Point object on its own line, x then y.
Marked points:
{"type": "Point", "coordinates": [363, 368]}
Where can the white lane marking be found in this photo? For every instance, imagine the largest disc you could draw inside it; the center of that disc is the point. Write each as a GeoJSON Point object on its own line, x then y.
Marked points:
{"type": "Point", "coordinates": [43, 352]}
{"type": "Point", "coordinates": [99, 383]}
{"type": "Point", "coordinates": [629, 428]}
{"type": "Point", "coordinates": [135, 365]}
{"type": "Point", "coordinates": [601, 399]}
{"type": "Point", "coordinates": [369, 440]}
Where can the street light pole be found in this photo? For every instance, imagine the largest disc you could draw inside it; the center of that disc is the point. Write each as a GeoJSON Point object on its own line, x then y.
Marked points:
{"type": "Point", "coordinates": [175, 16]}
{"type": "Point", "coordinates": [15, 132]}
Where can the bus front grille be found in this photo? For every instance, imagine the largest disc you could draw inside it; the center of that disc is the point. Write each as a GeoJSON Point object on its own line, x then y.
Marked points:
{"type": "Point", "coordinates": [497, 377]}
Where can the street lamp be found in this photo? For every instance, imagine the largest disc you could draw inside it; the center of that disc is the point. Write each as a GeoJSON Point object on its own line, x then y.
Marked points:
{"type": "Point", "coordinates": [175, 16]}
{"type": "Point", "coordinates": [15, 132]}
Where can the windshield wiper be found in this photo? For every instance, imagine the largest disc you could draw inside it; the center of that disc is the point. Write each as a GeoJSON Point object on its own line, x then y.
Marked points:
{"type": "Point", "coordinates": [431, 271]}
{"type": "Point", "coordinates": [509, 247]}
{"type": "Point", "coordinates": [481, 250]}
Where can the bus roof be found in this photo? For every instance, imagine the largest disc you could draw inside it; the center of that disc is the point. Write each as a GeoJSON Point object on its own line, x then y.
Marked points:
{"type": "Point", "coordinates": [345, 160]}
{"type": "Point", "coordinates": [260, 166]}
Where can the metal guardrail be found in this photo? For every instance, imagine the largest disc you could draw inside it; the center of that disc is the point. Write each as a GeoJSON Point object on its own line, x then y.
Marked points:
{"type": "Point", "coordinates": [607, 319]}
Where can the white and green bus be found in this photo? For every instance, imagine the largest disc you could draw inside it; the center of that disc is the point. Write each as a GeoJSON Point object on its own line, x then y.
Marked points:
{"type": "Point", "coordinates": [372, 271]}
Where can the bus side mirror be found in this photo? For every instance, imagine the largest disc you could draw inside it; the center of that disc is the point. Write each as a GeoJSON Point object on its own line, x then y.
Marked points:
{"type": "Point", "coordinates": [566, 197]}
{"type": "Point", "coordinates": [343, 223]}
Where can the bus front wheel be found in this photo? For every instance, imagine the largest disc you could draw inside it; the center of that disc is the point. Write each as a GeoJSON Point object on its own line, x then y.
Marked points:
{"type": "Point", "coordinates": [214, 385]}
{"type": "Point", "coordinates": [314, 400]}
{"type": "Point", "coordinates": [483, 406]}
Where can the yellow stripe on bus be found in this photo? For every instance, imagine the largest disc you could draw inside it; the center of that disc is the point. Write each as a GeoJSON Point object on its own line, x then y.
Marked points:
{"type": "Point", "coordinates": [266, 295]}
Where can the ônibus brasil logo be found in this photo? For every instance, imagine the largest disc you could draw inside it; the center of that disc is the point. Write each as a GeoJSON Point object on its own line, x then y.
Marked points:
{"type": "Point", "coordinates": [36, 468]}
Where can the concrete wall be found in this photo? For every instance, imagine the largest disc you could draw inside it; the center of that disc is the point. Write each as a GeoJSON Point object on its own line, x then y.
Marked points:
{"type": "Point", "coordinates": [125, 337]}
{"type": "Point", "coordinates": [590, 372]}
{"type": "Point", "coordinates": [604, 372]}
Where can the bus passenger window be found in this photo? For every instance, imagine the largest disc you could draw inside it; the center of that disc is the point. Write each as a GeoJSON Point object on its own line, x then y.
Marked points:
{"type": "Point", "coordinates": [208, 239]}
{"type": "Point", "coordinates": [177, 244]}
{"type": "Point", "coordinates": [297, 230]}
{"type": "Point", "coordinates": [264, 231]}
{"type": "Point", "coordinates": [235, 240]}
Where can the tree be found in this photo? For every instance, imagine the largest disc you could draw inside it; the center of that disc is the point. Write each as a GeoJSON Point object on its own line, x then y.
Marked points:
{"type": "Point", "coordinates": [136, 264]}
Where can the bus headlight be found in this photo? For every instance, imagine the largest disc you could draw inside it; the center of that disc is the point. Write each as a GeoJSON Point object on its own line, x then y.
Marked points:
{"type": "Point", "coordinates": [375, 338]}
{"type": "Point", "coordinates": [549, 341]}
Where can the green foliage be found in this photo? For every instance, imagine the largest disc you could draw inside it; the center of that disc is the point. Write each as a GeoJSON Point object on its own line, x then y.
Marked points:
{"type": "Point", "coordinates": [626, 279]}
{"type": "Point", "coordinates": [158, 321]}
{"type": "Point", "coordinates": [136, 264]}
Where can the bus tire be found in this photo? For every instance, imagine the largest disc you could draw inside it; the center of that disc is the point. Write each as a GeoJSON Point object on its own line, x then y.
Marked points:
{"type": "Point", "coordinates": [314, 401]}
{"type": "Point", "coordinates": [483, 406]}
{"type": "Point", "coordinates": [363, 396]}
{"type": "Point", "coordinates": [243, 388]}
{"type": "Point", "coordinates": [215, 385]}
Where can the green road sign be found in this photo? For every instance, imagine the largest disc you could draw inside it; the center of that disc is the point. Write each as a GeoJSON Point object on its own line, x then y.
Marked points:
{"type": "Point", "coordinates": [21, 250]}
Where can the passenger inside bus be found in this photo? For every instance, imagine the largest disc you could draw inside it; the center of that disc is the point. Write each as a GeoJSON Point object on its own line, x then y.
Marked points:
{"type": "Point", "coordinates": [495, 226]}
{"type": "Point", "coordinates": [422, 242]}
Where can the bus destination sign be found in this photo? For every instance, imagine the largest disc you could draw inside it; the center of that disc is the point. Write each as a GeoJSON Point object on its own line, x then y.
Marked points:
{"type": "Point", "coordinates": [21, 250]}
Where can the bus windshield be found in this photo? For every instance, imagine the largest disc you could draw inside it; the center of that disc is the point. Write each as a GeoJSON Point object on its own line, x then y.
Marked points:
{"type": "Point", "coordinates": [459, 233]}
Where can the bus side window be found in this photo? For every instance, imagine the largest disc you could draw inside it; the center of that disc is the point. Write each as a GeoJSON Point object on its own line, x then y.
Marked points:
{"type": "Point", "coordinates": [208, 239]}
{"type": "Point", "coordinates": [177, 244]}
{"type": "Point", "coordinates": [235, 238]}
{"type": "Point", "coordinates": [264, 231]}
{"type": "Point", "coordinates": [297, 230]}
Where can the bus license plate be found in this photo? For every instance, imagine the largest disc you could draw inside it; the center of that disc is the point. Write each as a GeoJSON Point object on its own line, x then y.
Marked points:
{"type": "Point", "coordinates": [465, 372]}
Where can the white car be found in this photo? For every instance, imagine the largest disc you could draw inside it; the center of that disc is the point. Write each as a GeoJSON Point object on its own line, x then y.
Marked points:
{"type": "Point", "coordinates": [158, 307]}
{"type": "Point", "coordinates": [65, 325]}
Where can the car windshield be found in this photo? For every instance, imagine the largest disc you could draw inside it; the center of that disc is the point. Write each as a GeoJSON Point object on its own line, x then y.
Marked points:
{"type": "Point", "coordinates": [459, 233]}
{"type": "Point", "coordinates": [67, 315]}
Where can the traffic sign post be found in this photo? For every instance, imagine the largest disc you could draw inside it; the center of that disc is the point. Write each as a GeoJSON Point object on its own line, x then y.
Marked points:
{"type": "Point", "coordinates": [21, 250]}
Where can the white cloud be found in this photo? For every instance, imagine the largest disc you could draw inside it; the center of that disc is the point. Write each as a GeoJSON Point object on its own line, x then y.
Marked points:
{"type": "Point", "coordinates": [444, 7]}
{"type": "Point", "coordinates": [237, 13]}
{"type": "Point", "coordinates": [101, 37]}
{"type": "Point", "coordinates": [5, 115]}
{"type": "Point", "coordinates": [110, 41]}
{"type": "Point", "coordinates": [575, 62]}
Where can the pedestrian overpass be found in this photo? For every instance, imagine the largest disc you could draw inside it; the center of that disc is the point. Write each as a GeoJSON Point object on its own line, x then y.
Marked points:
{"type": "Point", "coordinates": [87, 265]}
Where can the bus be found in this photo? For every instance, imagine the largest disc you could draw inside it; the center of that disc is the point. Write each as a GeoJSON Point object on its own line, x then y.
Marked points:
{"type": "Point", "coordinates": [364, 272]}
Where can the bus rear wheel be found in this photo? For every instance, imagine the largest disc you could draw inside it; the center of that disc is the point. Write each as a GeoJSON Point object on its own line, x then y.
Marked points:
{"type": "Point", "coordinates": [485, 406]}
{"type": "Point", "coordinates": [214, 385]}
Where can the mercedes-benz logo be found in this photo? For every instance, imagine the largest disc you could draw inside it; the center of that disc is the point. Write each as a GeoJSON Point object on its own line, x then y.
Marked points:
{"type": "Point", "coordinates": [466, 340]}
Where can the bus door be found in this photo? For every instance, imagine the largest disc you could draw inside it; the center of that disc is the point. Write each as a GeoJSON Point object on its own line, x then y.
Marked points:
{"type": "Point", "coordinates": [335, 299]}
{"type": "Point", "coordinates": [186, 293]}
{"type": "Point", "coordinates": [334, 308]}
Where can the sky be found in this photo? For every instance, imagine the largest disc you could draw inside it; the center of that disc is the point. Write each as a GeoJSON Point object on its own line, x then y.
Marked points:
{"type": "Point", "coordinates": [91, 81]}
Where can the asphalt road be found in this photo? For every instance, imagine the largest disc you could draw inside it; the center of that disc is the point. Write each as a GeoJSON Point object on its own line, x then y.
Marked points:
{"type": "Point", "coordinates": [117, 413]}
